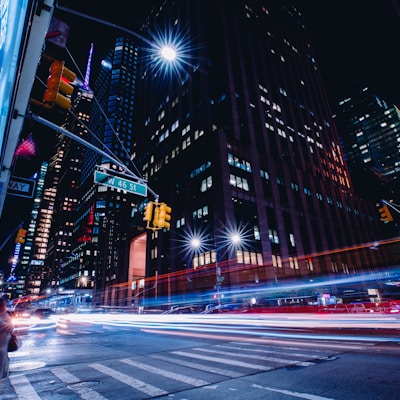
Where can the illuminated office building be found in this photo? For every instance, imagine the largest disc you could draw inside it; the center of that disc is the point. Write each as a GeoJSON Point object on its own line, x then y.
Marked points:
{"type": "Point", "coordinates": [242, 138]}
{"type": "Point", "coordinates": [103, 213]}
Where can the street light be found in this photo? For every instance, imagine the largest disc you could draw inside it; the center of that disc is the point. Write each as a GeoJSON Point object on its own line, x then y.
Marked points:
{"type": "Point", "coordinates": [233, 240]}
{"type": "Point", "coordinates": [168, 53]}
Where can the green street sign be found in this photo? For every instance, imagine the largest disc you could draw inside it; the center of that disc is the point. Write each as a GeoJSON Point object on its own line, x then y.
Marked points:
{"type": "Point", "coordinates": [120, 183]}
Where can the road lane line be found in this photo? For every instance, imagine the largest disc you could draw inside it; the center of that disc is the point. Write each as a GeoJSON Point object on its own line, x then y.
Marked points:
{"type": "Point", "coordinates": [23, 388]}
{"type": "Point", "coordinates": [86, 393]}
{"type": "Point", "coordinates": [178, 377]}
{"type": "Point", "coordinates": [306, 396]}
{"type": "Point", "coordinates": [223, 361]}
{"type": "Point", "coordinates": [128, 380]}
{"type": "Point", "coordinates": [201, 367]}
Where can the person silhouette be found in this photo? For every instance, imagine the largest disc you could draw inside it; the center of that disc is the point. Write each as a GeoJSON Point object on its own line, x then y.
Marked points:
{"type": "Point", "coordinates": [6, 328]}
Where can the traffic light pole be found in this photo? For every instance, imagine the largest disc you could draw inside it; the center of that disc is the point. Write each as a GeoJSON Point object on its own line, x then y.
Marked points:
{"type": "Point", "coordinates": [89, 145]}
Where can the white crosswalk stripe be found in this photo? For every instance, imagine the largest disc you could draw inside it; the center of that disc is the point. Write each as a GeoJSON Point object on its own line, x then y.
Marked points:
{"type": "Point", "coordinates": [261, 349]}
{"type": "Point", "coordinates": [168, 374]}
{"type": "Point", "coordinates": [202, 367]}
{"type": "Point", "coordinates": [256, 357]}
{"type": "Point", "coordinates": [223, 361]}
{"type": "Point", "coordinates": [23, 388]}
{"type": "Point", "coordinates": [85, 393]}
{"type": "Point", "coordinates": [128, 380]}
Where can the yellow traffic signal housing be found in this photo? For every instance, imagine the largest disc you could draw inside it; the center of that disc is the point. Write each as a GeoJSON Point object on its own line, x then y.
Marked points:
{"type": "Point", "coordinates": [156, 215]}
{"type": "Point", "coordinates": [148, 211]}
{"type": "Point", "coordinates": [164, 216]}
{"type": "Point", "coordinates": [386, 216]}
{"type": "Point", "coordinates": [21, 236]}
{"type": "Point", "coordinates": [58, 86]}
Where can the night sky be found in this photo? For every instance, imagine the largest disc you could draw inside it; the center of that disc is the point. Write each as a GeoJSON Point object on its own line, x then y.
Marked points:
{"type": "Point", "coordinates": [354, 40]}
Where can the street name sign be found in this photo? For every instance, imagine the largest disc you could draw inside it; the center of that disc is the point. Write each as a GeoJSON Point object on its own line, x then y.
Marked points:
{"type": "Point", "coordinates": [21, 187]}
{"type": "Point", "coordinates": [120, 183]}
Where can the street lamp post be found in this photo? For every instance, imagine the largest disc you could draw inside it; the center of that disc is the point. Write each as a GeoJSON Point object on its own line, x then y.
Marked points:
{"type": "Point", "coordinates": [233, 240]}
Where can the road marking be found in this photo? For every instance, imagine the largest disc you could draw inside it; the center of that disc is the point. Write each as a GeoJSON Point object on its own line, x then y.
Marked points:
{"type": "Point", "coordinates": [26, 365]}
{"type": "Point", "coordinates": [223, 361]}
{"type": "Point", "coordinates": [262, 350]}
{"type": "Point", "coordinates": [167, 374]}
{"type": "Point", "coordinates": [201, 367]}
{"type": "Point", "coordinates": [307, 396]}
{"type": "Point", "coordinates": [128, 380]}
{"type": "Point", "coordinates": [23, 388]}
{"type": "Point", "coordinates": [86, 393]}
{"type": "Point", "coordinates": [255, 357]}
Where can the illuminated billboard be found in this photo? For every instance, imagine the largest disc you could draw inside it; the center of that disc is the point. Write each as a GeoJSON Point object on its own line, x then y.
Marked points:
{"type": "Point", "coordinates": [12, 22]}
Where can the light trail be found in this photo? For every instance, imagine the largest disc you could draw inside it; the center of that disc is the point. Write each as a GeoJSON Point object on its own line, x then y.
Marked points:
{"type": "Point", "coordinates": [362, 328]}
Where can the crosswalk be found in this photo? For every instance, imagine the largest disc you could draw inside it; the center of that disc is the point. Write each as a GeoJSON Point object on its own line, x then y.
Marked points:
{"type": "Point", "coordinates": [157, 374]}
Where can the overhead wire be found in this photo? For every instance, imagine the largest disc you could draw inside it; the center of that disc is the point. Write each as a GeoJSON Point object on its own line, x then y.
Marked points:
{"type": "Point", "coordinates": [132, 164]}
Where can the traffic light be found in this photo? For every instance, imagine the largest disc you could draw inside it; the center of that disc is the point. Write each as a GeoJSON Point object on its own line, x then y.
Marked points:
{"type": "Point", "coordinates": [155, 217]}
{"type": "Point", "coordinates": [58, 86]}
{"type": "Point", "coordinates": [386, 216]}
{"type": "Point", "coordinates": [164, 216]}
{"type": "Point", "coordinates": [148, 211]}
{"type": "Point", "coordinates": [21, 236]}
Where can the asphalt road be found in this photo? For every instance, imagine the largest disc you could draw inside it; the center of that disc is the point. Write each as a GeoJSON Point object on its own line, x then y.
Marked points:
{"type": "Point", "coordinates": [194, 358]}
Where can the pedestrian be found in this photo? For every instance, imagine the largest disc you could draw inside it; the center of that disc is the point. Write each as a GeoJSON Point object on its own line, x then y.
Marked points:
{"type": "Point", "coordinates": [6, 328]}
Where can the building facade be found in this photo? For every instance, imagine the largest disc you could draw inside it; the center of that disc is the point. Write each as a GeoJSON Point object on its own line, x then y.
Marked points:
{"type": "Point", "coordinates": [103, 213]}
{"type": "Point", "coordinates": [369, 130]}
{"type": "Point", "coordinates": [242, 140]}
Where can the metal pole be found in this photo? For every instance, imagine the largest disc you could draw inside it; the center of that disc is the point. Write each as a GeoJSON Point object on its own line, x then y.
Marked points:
{"type": "Point", "coordinates": [82, 141]}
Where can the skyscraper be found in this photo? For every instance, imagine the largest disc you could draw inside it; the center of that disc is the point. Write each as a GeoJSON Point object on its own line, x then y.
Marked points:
{"type": "Point", "coordinates": [242, 140]}
{"type": "Point", "coordinates": [103, 214]}
{"type": "Point", "coordinates": [369, 129]}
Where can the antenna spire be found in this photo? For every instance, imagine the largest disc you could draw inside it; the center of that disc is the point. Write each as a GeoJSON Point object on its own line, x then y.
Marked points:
{"type": "Point", "coordinates": [87, 74]}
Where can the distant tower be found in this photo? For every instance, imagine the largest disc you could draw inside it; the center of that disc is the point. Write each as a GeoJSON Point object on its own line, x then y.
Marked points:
{"type": "Point", "coordinates": [62, 181]}
{"type": "Point", "coordinates": [103, 213]}
{"type": "Point", "coordinates": [369, 131]}
{"type": "Point", "coordinates": [88, 66]}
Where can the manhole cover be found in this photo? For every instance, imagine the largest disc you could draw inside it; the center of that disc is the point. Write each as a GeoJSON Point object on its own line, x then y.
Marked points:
{"type": "Point", "coordinates": [84, 385]}
{"type": "Point", "coordinates": [25, 366]}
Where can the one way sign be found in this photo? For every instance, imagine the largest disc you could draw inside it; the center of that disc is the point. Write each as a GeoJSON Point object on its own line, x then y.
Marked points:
{"type": "Point", "coordinates": [21, 187]}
